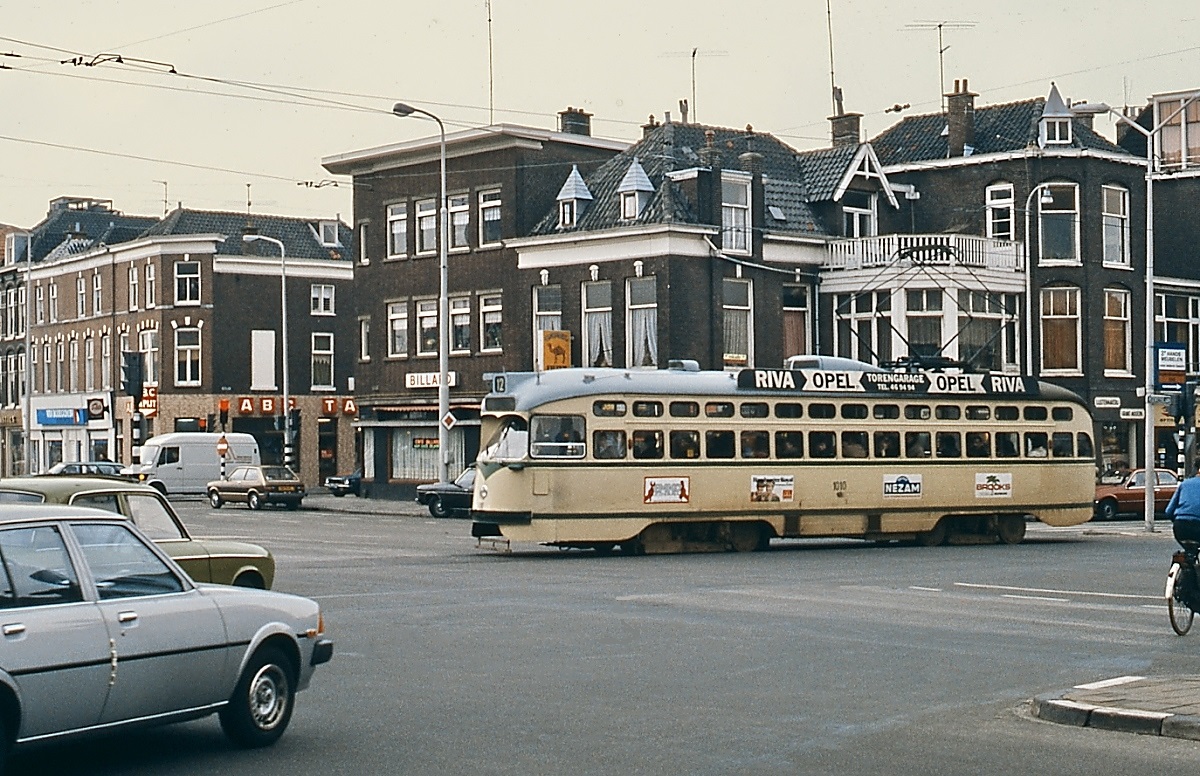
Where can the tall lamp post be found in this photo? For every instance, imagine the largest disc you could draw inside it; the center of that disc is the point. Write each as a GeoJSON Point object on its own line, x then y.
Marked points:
{"type": "Point", "coordinates": [1094, 108]}
{"type": "Point", "coordinates": [289, 452]}
{"type": "Point", "coordinates": [402, 110]}
{"type": "Point", "coordinates": [1045, 199]}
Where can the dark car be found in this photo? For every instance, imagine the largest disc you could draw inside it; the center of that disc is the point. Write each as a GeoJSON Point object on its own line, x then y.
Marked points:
{"type": "Point", "coordinates": [341, 484]}
{"type": "Point", "coordinates": [86, 469]}
{"type": "Point", "coordinates": [447, 498]}
{"type": "Point", "coordinates": [1128, 496]}
{"type": "Point", "coordinates": [257, 486]}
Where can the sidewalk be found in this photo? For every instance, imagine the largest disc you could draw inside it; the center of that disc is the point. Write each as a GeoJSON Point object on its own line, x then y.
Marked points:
{"type": "Point", "coordinates": [387, 502]}
{"type": "Point", "coordinates": [1160, 706]}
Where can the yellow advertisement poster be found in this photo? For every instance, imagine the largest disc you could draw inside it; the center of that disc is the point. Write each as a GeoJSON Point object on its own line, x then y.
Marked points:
{"type": "Point", "coordinates": [556, 349]}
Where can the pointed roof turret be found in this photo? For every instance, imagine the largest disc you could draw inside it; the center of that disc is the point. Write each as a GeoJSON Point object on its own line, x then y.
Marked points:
{"type": "Point", "coordinates": [1056, 107]}
{"type": "Point", "coordinates": [635, 179]}
{"type": "Point", "coordinates": [575, 188]}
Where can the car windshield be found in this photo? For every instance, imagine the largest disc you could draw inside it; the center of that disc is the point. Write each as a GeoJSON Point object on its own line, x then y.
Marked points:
{"type": "Point", "coordinates": [510, 442]}
{"type": "Point", "coordinates": [149, 453]}
{"type": "Point", "coordinates": [14, 497]}
{"type": "Point", "coordinates": [278, 473]}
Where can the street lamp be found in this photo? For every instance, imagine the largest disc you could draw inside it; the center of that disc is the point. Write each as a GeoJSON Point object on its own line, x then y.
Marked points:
{"type": "Point", "coordinates": [1094, 108]}
{"type": "Point", "coordinates": [402, 110]}
{"type": "Point", "coordinates": [289, 452]}
{"type": "Point", "coordinates": [1046, 199]}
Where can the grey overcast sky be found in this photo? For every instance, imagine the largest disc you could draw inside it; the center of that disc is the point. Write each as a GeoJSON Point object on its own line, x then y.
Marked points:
{"type": "Point", "coordinates": [264, 89]}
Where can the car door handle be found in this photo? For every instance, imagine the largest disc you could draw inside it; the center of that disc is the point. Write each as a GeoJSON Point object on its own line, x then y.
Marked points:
{"type": "Point", "coordinates": [126, 616]}
{"type": "Point", "coordinates": [13, 628]}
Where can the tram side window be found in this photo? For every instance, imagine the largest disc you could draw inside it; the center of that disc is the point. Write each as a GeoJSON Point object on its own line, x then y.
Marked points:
{"type": "Point", "coordinates": [1035, 412]}
{"type": "Point", "coordinates": [916, 444]}
{"type": "Point", "coordinates": [557, 436]}
{"type": "Point", "coordinates": [684, 409]}
{"type": "Point", "coordinates": [647, 444]}
{"type": "Point", "coordinates": [608, 409]}
{"type": "Point", "coordinates": [886, 411]}
{"type": "Point", "coordinates": [1085, 445]}
{"type": "Point", "coordinates": [756, 444]}
{"type": "Point", "coordinates": [685, 444]}
{"type": "Point", "coordinates": [755, 409]}
{"type": "Point", "coordinates": [510, 442]}
{"type": "Point", "coordinates": [949, 444]}
{"type": "Point", "coordinates": [979, 444]}
{"type": "Point", "coordinates": [608, 444]}
{"type": "Point", "coordinates": [718, 444]}
{"type": "Point", "coordinates": [1062, 444]}
{"type": "Point", "coordinates": [916, 412]}
{"type": "Point", "coordinates": [887, 444]}
{"type": "Point", "coordinates": [979, 412]}
{"type": "Point", "coordinates": [821, 444]}
{"type": "Point", "coordinates": [1007, 413]}
{"type": "Point", "coordinates": [854, 411]}
{"type": "Point", "coordinates": [1035, 444]}
{"type": "Point", "coordinates": [1062, 413]}
{"type": "Point", "coordinates": [823, 411]}
{"type": "Point", "coordinates": [719, 409]}
{"type": "Point", "coordinates": [789, 444]}
{"type": "Point", "coordinates": [647, 409]}
{"type": "Point", "coordinates": [854, 444]}
{"type": "Point", "coordinates": [1008, 444]}
{"type": "Point", "coordinates": [948, 412]}
{"type": "Point", "coordinates": [789, 409]}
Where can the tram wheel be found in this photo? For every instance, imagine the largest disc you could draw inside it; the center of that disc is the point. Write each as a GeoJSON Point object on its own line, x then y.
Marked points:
{"type": "Point", "coordinates": [747, 537]}
{"type": "Point", "coordinates": [935, 537]}
{"type": "Point", "coordinates": [1011, 529]}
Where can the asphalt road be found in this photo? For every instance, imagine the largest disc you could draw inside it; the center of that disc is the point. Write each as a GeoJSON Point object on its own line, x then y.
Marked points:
{"type": "Point", "coordinates": [811, 658]}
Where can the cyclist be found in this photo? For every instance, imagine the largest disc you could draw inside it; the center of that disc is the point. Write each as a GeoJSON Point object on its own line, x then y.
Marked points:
{"type": "Point", "coordinates": [1184, 509]}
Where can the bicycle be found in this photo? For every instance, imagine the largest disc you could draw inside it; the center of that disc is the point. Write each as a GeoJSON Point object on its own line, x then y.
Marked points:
{"type": "Point", "coordinates": [1183, 587]}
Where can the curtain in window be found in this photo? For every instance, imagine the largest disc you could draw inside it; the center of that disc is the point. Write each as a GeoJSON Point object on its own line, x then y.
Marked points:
{"type": "Point", "coordinates": [736, 336]}
{"type": "Point", "coordinates": [599, 331]}
{"type": "Point", "coordinates": [644, 326]}
{"type": "Point", "coordinates": [794, 335]}
{"type": "Point", "coordinates": [1115, 349]}
{"type": "Point", "coordinates": [1058, 343]}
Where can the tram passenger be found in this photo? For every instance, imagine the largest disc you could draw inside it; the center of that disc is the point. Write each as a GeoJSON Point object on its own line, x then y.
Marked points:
{"type": "Point", "coordinates": [916, 444]}
{"type": "Point", "coordinates": [1184, 510]}
{"type": "Point", "coordinates": [647, 444]}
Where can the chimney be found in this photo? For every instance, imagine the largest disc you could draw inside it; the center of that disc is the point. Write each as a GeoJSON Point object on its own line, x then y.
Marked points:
{"type": "Point", "coordinates": [1084, 119]}
{"type": "Point", "coordinates": [960, 118]}
{"type": "Point", "coordinates": [710, 154]}
{"type": "Point", "coordinates": [845, 129]}
{"type": "Point", "coordinates": [649, 126]}
{"type": "Point", "coordinates": [575, 121]}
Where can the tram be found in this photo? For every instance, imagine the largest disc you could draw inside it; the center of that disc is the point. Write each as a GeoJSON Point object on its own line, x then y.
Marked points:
{"type": "Point", "coordinates": [680, 460]}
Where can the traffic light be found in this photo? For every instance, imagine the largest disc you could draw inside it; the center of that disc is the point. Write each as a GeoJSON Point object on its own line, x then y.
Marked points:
{"type": "Point", "coordinates": [223, 408]}
{"type": "Point", "coordinates": [131, 374]}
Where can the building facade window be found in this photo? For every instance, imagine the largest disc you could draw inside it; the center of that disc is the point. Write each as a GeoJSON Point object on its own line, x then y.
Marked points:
{"type": "Point", "coordinates": [364, 257]}
{"type": "Point", "coordinates": [80, 297]}
{"type": "Point", "coordinates": [134, 287]}
{"type": "Point", "coordinates": [73, 364]}
{"type": "Point", "coordinates": [187, 357]}
{"type": "Point", "coordinates": [641, 325]}
{"type": "Point", "coordinates": [53, 302]}
{"type": "Point", "coordinates": [329, 233]}
{"type": "Point", "coordinates": [863, 326]}
{"type": "Point", "coordinates": [460, 218]}
{"type": "Point", "coordinates": [39, 311]}
{"type": "Point", "coordinates": [1179, 138]}
{"type": "Point", "coordinates": [364, 339]}
{"type": "Point", "coordinates": [427, 226]}
{"type": "Point", "coordinates": [47, 368]}
{"type": "Point", "coordinates": [89, 364]}
{"type": "Point", "coordinates": [1177, 319]}
{"type": "Point", "coordinates": [491, 323]}
{"type": "Point", "coordinates": [858, 214]}
{"type": "Point", "coordinates": [60, 366]}
{"type": "Point", "coordinates": [988, 330]}
{"type": "Point", "coordinates": [427, 327]}
{"type": "Point", "coordinates": [1060, 330]}
{"type": "Point", "coordinates": [923, 320]}
{"type": "Point", "coordinates": [1116, 225]}
{"type": "Point", "coordinates": [566, 213]}
{"type": "Point", "coordinates": [397, 226]}
{"type": "Point", "coordinates": [735, 214]}
{"type": "Point", "coordinates": [322, 361]}
{"type": "Point", "coordinates": [151, 287]}
{"type": "Point", "coordinates": [97, 294]}
{"type": "Point", "coordinates": [105, 362]}
{"type": "Point", "coordinates": [397, 316]}
{"type": "Point", "coordinates": [547, 316]}
{"type": "Point", "coordinates": [795, 321]}
{"type": "Point", "coordinates": [1059, 224]}
{"type": "Point", "coordinates": [187, 282]}
{"type": "Point", "coordinates": [1118, 359]}
{"type": "Point", "coordinates": [1056, 131]}
{"type": "Point", "coordinates": [489, 217]}
{"type": "Point", "coordinates": [737, 329]}
{"type": "Point", "coordinates": [597, 323]}
{"type": "Point", "coordinates": [33, 366]}
{"type": "Point", "coordinates": [460, 325]}
{"type": "Point", "coordinates": [322, 299]}
{"type": "Point", "coordinates": [629, 205]}
{"type": "Point", "coordinates": [11, 313]}
{"type": "Point", "coordinates": [148, 347]}
{"type": "Point", "coordinates": [1000, 208]}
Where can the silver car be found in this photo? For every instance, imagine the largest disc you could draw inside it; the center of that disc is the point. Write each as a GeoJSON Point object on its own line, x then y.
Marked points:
{"type": "Point", "coordinates": [93, 611]}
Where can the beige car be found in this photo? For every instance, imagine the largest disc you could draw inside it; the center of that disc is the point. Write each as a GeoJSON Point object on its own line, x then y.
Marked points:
{"type": "Point", "coordinates": [205, 560]}
{"type": "Point", "coordinates": [257, 486]}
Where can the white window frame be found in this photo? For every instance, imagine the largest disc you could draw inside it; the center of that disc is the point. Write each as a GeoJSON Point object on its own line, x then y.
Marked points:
{"type": "Point", "coordinates": [322, 360]}
{"type": "Point", "coordinates": [597, 323]}
{"type": "Point", "coordinates": [97, 294]}
{"type": "Point", "coordinates": [737, 314]}
{"type": "Point", "coordinates": [73, 365]}
{"type": "Point", "coordinates": [1068, 297]}
{"type": "Point", "coordinates": [363, 255]}
{"type": "Point", "coordinates": [54, 302]}
{"type": "Point", "coordinates": [39, 310]}
{"type": "Point", "coordinates": [188, 362]}
{"type": "Point", "coordinates": [105, 362]}
{"type": "Point", "coordinates": [364, 338]}
{"type": "Point", "coordinates": [1000, 310]}
{"type": "Point", "coordinates": [630, 206]}
{"type": "Point", "coordinates": [427, 226]}
{"type": "Point", "coordinates": [148, 346]}
{"type": "Point", "coordinates": [865, 312]}
{"type": "Point", "coordinates": [924, 305]}
{"type": "Point", "coordinates": [89, 363]}
{"type": "Point", "coordinates": [1056, 131]}
{"type": "Point", "coordinates": [1115, 218]}
{"type": "Point", "coordinates": [188, 291]}
{"type": "Point", "coordinates": [321, 298]}
{"type": "Point", "coordinates": [427, 336]}
{"type": "Point", "coordinates": [860, 221]}
{"type": "Point", "coordinates": [397, 230]}
{"type": "Point", "coordinates": [11, 314]}
{"type": "Point", "coordinates": [397, 329]}
{"type": "Point", "coordinates": [803, 311]}
{"type": "Point", "coordinates": [80, 297]}
{"type": "Point", "coordinates": [491, 313]}
{"type": "Point", "coordinates": [460, 222]}
{"type": "Point", "coordinates": [1000, 204]}
{"type": "Point", "coordinates": [567, 212]}
{"type": "Point", "coordinates": [460, 324]}
{"type": "Point", "coordinates": [329, 234]}
{"type": "Point", "coordinates": [546, 316]}
{"type": "Point", "coordinates": [60, 366]}
{"type": "Point", "coordinates": [151, 287]}
{"type": "Point", "coordinates": [134, 292]}
{"type": "Point", "coordinates": [1116, 312]}
{"type": "Point", "coordinates": [736, 220]}
{"type": "Point", "coordinates": [638, 310]}
{"type": "Point", "coordinates": [1053, 210]}
{"type": "Point", "coordinates": [490, 210]}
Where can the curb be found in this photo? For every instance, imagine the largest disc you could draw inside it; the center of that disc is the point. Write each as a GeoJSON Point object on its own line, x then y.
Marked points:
{"type": "Point", "coordinates": [1056, 707]}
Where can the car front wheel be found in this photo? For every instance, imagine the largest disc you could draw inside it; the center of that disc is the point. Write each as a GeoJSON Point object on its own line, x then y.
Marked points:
{"type": "Point", "coordinates": [1106, 510]}
{"type": "Point", "coordinates": [254, 500]}
{"type": "Point", "coordinates": [214, 498]}
{"type": "Point", "coordinates": [437, 508]}
{"type": "Point", "coordinates": [261, 705]}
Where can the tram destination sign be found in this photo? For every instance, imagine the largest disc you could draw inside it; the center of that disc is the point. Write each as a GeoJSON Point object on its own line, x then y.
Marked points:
{"type": "Point", "coordinates": [911, 383]}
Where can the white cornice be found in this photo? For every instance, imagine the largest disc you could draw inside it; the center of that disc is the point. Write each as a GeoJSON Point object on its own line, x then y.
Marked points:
{"type": "Point", "coordinates": [1010, 156]}
{"type": "Point", "coordinates": [618, 244]}
{"type": "Point", "coordinates": [146, 247]}
{"type": "Point", "coordinates": [269, 267]}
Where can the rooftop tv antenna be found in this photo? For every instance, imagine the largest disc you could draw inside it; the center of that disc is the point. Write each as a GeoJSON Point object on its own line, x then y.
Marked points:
{"type": "Point", "coordinates": [926, 24]}
{"type": "Point", "coordinates": [834, 92]}
{"type": "Point", "coordinates": [491, 73]}
{"type": "Point", "coordinates": [695, 52]}
{"type": "Point", "coordinates": [164, 185]}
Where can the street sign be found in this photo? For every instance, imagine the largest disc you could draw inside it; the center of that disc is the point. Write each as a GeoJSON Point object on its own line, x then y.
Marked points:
{"type": "Point", "coordinates": [222, 446]}
{"type": "Point", "coordinates": [448, 420]}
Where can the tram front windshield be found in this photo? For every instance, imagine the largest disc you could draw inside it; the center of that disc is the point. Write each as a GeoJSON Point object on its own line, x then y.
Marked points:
{"type": "Point", "coordinates": [510, 442]}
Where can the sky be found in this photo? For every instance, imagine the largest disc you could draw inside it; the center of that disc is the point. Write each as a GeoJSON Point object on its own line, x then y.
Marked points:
{"type": "Point", "coordinates": [262, 90]}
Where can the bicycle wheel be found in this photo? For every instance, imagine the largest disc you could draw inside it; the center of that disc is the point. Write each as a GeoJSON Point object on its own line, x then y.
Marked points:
{"type": "Point", "coordinates": [1178, 610]}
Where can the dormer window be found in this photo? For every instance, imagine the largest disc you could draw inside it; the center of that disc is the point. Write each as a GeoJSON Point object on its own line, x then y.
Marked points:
{"type": "Point", "coordinates": [635, 191]}
{"type": "Point", "coordinates": [16, 247]}
{"type": "Point", "coordinates": [1058, 131]}
{"type": "Point", "coordinates": [566, 213]}
{"type": "Point", "coordinates": [629, 205]}
{"type": "Point", "coordinates": [328, 231]}
{"type": "Point", "coordinates": [735, 213]}
{"type": "Point", "coordinates": [573, 198]}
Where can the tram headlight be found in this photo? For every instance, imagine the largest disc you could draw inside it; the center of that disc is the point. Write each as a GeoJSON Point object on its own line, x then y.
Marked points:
{"type": "Point", "coordinates": [483, 491]}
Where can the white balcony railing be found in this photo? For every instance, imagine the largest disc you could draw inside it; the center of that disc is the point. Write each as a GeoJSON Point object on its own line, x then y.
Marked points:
{"type": "Point", "coordinates": [947, 250]}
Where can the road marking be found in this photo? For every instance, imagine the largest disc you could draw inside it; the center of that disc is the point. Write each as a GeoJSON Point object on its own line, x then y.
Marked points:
{"type": "Point", "coordinates": [926, 589]}
{"type": "Point", "coordinates": [1109, 682]}
{"type": "Point", "coordinates": [1059, 592]}
{"type": "Point", "coordinates": [1034, 598]}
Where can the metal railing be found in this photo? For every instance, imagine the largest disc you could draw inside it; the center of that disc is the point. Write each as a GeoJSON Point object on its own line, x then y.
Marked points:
{"type": "Point", "coordinates": [940, 249]}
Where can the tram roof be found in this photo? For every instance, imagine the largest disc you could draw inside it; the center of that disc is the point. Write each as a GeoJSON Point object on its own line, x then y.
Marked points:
{"type": "Point", "coordinates": [533, 389]}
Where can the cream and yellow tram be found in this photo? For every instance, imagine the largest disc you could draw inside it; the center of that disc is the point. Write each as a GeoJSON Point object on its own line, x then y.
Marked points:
{"type": "Point", "coordinates": [681, 459]}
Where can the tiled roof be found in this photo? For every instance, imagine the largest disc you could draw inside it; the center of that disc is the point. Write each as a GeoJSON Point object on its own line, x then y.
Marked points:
{"type": "Point", "coordinates": [672, 147]}
{"type": "Point", "coordinates": [824, 169]}
{"type": "Point", "coordinates": [82, 230]}
{"type": "Point", "coordinates": [299, 235]}
{"type": "Point", "coordinates": [998, 129]}
{"type": "Point", "coordinates": [574, 188]}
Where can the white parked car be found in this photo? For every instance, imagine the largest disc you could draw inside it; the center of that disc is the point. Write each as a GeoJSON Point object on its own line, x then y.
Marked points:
{"type": "Point", "coordinates": [93, 611]}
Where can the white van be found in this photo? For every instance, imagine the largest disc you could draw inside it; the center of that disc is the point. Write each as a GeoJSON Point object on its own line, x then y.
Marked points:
{"type": "Point", "coordinates": [186, 461]}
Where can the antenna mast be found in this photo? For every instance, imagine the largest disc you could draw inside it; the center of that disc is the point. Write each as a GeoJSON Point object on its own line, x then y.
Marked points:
{"type": "Point", "coordinates": [491, 72]}
{"type": "Point", "coordinates": [164, 185]}
{"type": "Point", "coordinates": [833, 90]}
{"type": "Point", "coordinates": [939, 26]}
